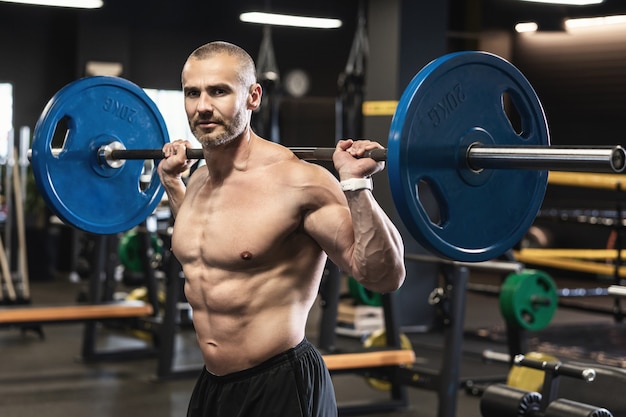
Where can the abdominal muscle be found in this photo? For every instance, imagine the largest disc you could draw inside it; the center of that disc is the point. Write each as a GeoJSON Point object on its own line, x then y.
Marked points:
{"type": "Point", "coordinates": [246, 314]}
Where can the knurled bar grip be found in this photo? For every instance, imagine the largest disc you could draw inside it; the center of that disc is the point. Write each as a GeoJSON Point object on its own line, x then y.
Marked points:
{"type": "Point", "coordinates": [311, 154]}
{"type": "Point", "coordinates": [557, 368]}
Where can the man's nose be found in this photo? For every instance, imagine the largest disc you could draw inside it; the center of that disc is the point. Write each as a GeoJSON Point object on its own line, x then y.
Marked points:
{"type": "Point", "coordinates": [204, 103]}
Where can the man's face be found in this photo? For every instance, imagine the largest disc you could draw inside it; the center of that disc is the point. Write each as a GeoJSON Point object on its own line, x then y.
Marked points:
{"type": "Point", "coordinates": [215, 101]}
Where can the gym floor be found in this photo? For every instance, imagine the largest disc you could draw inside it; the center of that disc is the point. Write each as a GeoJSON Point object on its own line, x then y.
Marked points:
{"type": "Point", "coordinates": [44, 377]}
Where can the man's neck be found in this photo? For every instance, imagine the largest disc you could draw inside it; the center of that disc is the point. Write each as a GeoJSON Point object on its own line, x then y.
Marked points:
{"type": "Point", "coordinates": [222, 160]}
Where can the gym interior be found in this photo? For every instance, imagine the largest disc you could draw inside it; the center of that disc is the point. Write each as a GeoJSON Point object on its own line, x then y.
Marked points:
{"type": "Point", "coordinates": [93, 321]}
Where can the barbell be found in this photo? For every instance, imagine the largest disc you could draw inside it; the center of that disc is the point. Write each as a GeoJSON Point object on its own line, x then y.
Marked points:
{"type": "Point", "coordinates": [468, 155]}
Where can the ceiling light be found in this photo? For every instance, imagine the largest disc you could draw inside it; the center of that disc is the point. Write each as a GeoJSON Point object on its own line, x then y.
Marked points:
{"type": "Point", "coordinates": [568, 2]}
{"type": "Point", "coordinates": [594, 21]}
{"type": "Point", "coordinates": [289, 20]}
{"type": "Point", "coordinates": [77, 4]}
{"type": "Point", "coordinates": [526, 27]}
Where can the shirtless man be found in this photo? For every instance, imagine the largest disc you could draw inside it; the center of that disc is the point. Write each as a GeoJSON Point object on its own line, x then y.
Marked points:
{"type": "Point", "coordinates": [253, 228]}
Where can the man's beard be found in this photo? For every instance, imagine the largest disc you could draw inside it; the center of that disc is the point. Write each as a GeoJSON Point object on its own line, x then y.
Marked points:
{"type": "Point", "coordinates": [230, 131]}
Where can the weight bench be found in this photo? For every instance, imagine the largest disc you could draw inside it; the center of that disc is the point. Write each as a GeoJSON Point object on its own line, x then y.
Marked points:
{"type": "Point", "coordinates": [381, 365]}
{"type": "Point", "coordinates": [29, 317]}
{"type": "Point", "coordinates": [365, 360]}
{"type": "Point", "coordinates": [74, 313]}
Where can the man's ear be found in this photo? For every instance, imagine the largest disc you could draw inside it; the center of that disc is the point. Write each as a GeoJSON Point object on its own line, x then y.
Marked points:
{"type": "Point", "coordinates": [254, 97]}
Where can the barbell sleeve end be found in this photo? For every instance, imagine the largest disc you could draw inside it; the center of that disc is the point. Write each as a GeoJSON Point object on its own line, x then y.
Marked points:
{"type": "Point", "coordinates": [607, 159]}
{"type": "Point", "coordinates": [618, 159]}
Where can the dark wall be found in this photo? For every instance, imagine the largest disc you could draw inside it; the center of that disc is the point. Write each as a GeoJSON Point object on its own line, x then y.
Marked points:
{"type": "Point", "coordinates": [38, 54]}
{"type": "Point", "coordinates": [579, 77]}
{"type": "Point", "coordinates": [43, 49]}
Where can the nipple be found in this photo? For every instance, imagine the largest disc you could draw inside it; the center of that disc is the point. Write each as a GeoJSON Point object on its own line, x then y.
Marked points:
{"type": "Point", "coordinates": [246, 256]}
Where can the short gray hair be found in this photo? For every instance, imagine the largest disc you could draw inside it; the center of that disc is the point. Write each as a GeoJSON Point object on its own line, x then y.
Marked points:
{"type": "Point", "coordinates": [247, 68]}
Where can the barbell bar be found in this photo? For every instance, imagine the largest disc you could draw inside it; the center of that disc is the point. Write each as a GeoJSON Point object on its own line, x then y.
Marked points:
{"type": "Point", "coordinates": [601, 159]}
{"type": "Point", "coordinates": [478, 157]}
{"type": "Point", "coordinates": [466, 177]}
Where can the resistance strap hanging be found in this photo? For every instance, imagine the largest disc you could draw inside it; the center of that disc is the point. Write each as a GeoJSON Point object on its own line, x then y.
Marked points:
{"type": "Point", "coordinates": [352, 82]}
{"type": "Point", "coordinates": [265, 120]}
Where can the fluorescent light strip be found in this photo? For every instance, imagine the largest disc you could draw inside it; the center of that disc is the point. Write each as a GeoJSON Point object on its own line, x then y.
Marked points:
{"type": "Point", "coordinates": [526, 27]}
{"type": "Point", "coordinates": [75, 4]}
{"type": "Point", "coordinates": [289, 20]}
{"type": "Point", "coordinates": [568, 2]}
{"type": "Point", "coordinates": [595, 21]}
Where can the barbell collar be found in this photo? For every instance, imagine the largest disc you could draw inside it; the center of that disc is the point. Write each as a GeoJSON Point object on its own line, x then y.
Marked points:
{"type": "Point", "coordinates": [104, 154]}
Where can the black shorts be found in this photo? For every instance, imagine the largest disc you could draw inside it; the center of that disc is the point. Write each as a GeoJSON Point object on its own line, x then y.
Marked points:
{"type": "Point", "coordinates": [295, 383]}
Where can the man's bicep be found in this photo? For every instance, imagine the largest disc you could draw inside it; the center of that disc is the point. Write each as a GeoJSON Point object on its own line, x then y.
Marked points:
{"type": "Point", "coordinates": [331, 227]}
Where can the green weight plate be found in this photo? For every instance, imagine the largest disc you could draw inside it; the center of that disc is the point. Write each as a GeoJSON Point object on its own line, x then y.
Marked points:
{"type": "Point", "coordinates": [528, 299]}
{"type": "Point", "coordinates": [79, 188]}
{"type": "Point", "coordinates": [129, 250]}
{"type": "Point", "coordinates": [362, 295]}
{"type": "Point", "coordinates": [450, 209]}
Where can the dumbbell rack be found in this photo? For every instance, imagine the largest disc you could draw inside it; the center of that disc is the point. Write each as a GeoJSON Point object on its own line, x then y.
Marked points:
{"type": "Point", "coordinates": [500, 400]}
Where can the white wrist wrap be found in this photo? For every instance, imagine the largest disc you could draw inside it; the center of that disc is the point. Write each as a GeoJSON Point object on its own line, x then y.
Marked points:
{"type": "Point", "coordinates": [354, 184]}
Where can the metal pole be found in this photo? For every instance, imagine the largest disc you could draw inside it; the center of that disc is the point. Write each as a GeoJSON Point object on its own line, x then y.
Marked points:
{"type": "Point", "coordinates": [22, 156]}
{"type": "Point", "coordinates": [457, 278]}
{"type": "Point", "coordinates": [8, 187]}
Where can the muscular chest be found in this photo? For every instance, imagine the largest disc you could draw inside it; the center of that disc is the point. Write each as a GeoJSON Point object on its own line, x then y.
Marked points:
{"type": "Point", "coordinates": [236, 225]}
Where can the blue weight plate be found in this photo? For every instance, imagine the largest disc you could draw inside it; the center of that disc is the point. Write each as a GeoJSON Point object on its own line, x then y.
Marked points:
{"type": "Point", "coordinates": [450, 209]}
{"type": "Point", "coordinates": [80, 190]}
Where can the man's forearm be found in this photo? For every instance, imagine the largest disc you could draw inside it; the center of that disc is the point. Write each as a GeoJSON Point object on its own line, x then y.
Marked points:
{"type": "Point", "coordinates": [175, 190]}
{"type": "Point", "coordinates": [378, 256]}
